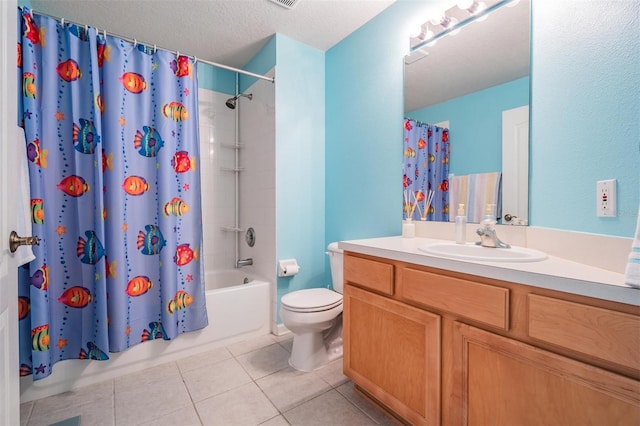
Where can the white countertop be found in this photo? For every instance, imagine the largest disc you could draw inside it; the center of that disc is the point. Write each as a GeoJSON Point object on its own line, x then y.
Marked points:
{"type": "Point", "coordinates": [553, 273]}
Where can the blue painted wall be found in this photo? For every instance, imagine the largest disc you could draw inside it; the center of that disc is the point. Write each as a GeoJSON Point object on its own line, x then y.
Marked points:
{"type": "Point", "coordinates": [475, 122]}
{"type": "Point", "coordinates": [585, 113]}
{"type": "Point", "coordinates": [216, 79]}
{"type": "Point", "coordinates": [300, 162]}
{"type": "Point", "coordinates": [585, 126]}
{"type": "Point", "coordinates": [261, 63]}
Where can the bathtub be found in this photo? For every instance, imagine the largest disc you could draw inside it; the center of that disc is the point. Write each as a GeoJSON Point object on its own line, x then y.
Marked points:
{"type": "Point", "coordinates": [238, 307]}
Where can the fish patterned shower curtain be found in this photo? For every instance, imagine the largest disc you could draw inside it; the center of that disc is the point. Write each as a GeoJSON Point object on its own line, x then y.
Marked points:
{"type": "Point", "coordinates": [112, 142]}
{"type": "Point", "coordinates": [425, 168]}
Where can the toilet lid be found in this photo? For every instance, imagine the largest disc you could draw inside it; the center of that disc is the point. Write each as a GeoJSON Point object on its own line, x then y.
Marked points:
{"type": "Point", "coordinates": [311, 300]}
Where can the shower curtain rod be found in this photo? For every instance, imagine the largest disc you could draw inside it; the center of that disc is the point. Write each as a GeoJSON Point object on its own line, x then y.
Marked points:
{"type": "Point", "coordinates": [175, 52]}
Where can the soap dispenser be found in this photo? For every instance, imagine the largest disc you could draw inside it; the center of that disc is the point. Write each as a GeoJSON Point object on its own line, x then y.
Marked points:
{"type": "Point", "coordinates": [489, 217]}
{"type": "Point", "coordinates": [461, 225]}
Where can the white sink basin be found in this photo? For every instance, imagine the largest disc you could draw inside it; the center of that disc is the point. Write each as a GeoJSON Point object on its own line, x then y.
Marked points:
{"type": "Point", "coordinates": [472, 251]}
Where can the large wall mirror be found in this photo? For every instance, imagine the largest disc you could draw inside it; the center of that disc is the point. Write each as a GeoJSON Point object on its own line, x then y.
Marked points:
{"type": "Point", "coordinates": [475, 83]}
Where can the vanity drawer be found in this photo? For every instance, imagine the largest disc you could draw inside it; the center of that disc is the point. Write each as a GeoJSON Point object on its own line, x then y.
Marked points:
{"type": "Point", "coordinates": [369, 274]}
{"type": "Point", "coordinates": [602, 333]}
{"type": "Point", "coordinates": [479, 302]}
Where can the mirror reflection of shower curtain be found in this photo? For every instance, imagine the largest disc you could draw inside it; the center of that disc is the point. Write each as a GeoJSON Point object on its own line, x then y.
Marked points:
{"type": "Point", "coordinates": [425, 166]}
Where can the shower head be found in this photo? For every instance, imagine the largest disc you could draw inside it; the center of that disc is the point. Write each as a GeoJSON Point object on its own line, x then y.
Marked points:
{"type": "Point", "coordinates": [231, 102]}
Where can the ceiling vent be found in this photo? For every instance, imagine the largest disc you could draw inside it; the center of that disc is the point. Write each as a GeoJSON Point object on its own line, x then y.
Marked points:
{"type": "Point", "coordinates": [287, 4]}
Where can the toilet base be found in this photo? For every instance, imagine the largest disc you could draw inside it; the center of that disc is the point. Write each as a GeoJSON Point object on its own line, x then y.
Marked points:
{"type": "Point", "coordinates": [312, 351]}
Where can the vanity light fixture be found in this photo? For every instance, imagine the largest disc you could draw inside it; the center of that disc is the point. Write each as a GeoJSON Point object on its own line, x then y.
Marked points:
{"type": "Point", "coordinates": [478, 11]}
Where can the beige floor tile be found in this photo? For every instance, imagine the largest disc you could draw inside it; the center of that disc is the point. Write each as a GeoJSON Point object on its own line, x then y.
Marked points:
{"type": "Point", "coordinates": [195, 362]}
{"type": "Point", "coordinates": [215, 379]}
{"type": "Point", "coordinates": [330, 408]}
{"type": "Point", "coordinates": [186, 416]}
{"type": "Point", "coordinates": [73, 403]}
{"type": "Point", "coordinates": [286, 343]}
{"type": "Point", "coordinates": [98, 413]}
{"type": "Point", "coordinates": [251, 344]}
{"type": "Point", "coordinates": [148, 377]}
{"type": "Point", "coordinates": [368, 408]}
{"type": "Point", "coordinates": [288, 388]}
{"type": "Point", "coordinates": [276, 421]}
{"type": "Point", "coordinates": [332, 373]}
{"type": "Point", "coordinates": [25, 412]}
{"type": "Point", "coordinates": [264, 361]}
{"type": "Point", "coordinates": [245, 405]}
{"type": "Point", "coordinates": [136, 401]}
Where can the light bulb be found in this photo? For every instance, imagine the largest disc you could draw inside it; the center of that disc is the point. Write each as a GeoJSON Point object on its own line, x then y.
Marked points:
{"type": "Point", "coordinates": [416, 31]}
{"type": "Point", "coordinates": [465, 4]}
{"type": "Point", "coordinates": [481, 7]}
{"type": "Point", "coordinates": [513, 3]}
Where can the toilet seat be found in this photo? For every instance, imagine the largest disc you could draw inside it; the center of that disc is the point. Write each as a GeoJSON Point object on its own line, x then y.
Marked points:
{"type": "Point", "coordinates": [311, 300]}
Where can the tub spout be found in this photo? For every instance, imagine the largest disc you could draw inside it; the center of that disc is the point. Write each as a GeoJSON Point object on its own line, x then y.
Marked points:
{"type": "Point", "coordinates": [244, 262]}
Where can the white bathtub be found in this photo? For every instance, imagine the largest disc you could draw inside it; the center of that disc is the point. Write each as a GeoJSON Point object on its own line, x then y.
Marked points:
{"type": "Point", "coordinates": [236, 311]}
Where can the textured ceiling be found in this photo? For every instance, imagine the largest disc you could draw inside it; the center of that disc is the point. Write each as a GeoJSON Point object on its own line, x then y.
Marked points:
{"type": "Point", "coordinates": [228, 32]}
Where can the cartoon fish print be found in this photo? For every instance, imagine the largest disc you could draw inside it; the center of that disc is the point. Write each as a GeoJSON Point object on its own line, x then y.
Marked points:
{"type": "Point", "coordinates": [79, 31]}
{"type": "Point", "coordinates": [152, 241]}
{"type": "Point", "coordinates": [76, 297]}
{"type": "Point", "coordinates": [181, 162]}
{"type": "Point", "coordinates": [19, 54]}
{"type": "Point", "coordinates": [445, 159]}
{"type": "Point", "coordinates": [29, 85]}
{"type": "Point", "coordinates": [135, 185]}
{"type": "Point", "coordinates": [181, 67]}
{"type": "Point", "coordinates": [69, 70]}
{"type": "Point", "coordinates": [85, 138]}
{"type": "Point", "coordinates": [419, 196]}
{"type": "Point", "coordinates": [184, 255]}
{"type": "Point", "coordinates": [429, 132]}
{"type": "Point", "coordinates": [107, 161]}
{"type": "Point", "coordinates": [73, 185]}
{"type": "Point", "coordinates": [40, 278]}
{"type": "Point", "coordinates": [90, 250]}
{"type": "Point", "coordinates": [156, 331]}
{"type": "Point", "coordinates": [421, 144]}
{"type": "Point", "coordinates": [147, 50]}
{"type": "Point", "coordinates": [445, 135]}
{"type": "Point", "coordinates": [37, 155]}
{"type": "Point", "coordinates": [30, 30]}
{"type": "Point", "coordinates": [92, 352]}
{"type": "Point", "coordinates": [431, 158]}
{"type": "Point", "coordinates": [110, 268]}
{"type": "Point", "coordinates": [444, 185]}
{"type": "Point", "coordinates": [99, 103]}
{"type": "Point", "coordinates": [148, 143]}
{"type": "Point", "coordinates": [417, 173]}
{"type": "Point", "coordinates": [104, 53]}
{"type": "Point", "coordinates": [25, 370]}
{"type": "Point", "coordinates": [407, 125]}
{"type": "Point", "coordinates": [40, 338]}
{"type": "Point", "coordinates": [138, 286]}
{"type": "Point", "coordinates": [175, 111]}
{"type": "Point", "coordinates": [133, 82]}
{"type": "Point", "coordinates": [24, 306]}
{"type": "Point", "coordinates": [181, 300]}
{"type": "Point", "coordinates": [37, 211]}
{"type": "Point", "coordinates": [445, 209]}
{"type": "Point", "coordinates": [176, 207]}
{"type": "Point", "coordinates": [410, 152]}
{"type": "Point", "coordinates": [406, 181]}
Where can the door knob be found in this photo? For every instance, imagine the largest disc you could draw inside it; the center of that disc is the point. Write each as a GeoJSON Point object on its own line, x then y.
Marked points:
{"type": "Point", "coordinates": [15, 241]}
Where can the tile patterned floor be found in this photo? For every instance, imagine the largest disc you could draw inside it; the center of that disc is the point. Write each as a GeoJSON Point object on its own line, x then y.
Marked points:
{"type": "Point", "coordinates": [247, 383]}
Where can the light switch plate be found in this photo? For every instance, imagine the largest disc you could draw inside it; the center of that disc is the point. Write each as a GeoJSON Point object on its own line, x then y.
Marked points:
{"type": "Point", "coordinates": [606, 198]}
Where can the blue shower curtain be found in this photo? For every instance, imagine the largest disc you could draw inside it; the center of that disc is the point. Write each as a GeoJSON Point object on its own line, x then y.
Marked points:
{"type": "Point", "coordinates": [425, 168]}
{"type": "Point", "coordinates": [112, 142]}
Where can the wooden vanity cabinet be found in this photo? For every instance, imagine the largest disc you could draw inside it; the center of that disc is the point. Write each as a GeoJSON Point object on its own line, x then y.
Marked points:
{"type": "Point", "coordinates": [439, 347]}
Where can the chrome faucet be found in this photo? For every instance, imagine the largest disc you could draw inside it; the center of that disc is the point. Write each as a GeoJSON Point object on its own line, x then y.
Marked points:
{"type": "Point", "coordinates": [488, 236]}
{"type": "Point", "coordinates": [244, 262]}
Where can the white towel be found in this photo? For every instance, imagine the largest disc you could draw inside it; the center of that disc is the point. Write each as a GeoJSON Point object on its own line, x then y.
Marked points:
{"type": "Point", "coordinates": [23, 227]}
{"type": "Point", "coordinates": [475, 191]}
{"type": "Point", "coordinates": [632, 274]}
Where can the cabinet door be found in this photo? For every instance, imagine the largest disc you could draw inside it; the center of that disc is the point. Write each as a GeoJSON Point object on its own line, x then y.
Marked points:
{"type": "Point", "coordinates": [392, 351]}
{"type": "Point", "coordinates": [500, 381]}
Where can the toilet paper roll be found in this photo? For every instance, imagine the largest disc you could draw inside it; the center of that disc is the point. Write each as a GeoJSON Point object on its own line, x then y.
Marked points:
{"type": "Point", "coordinates": [291, 270]}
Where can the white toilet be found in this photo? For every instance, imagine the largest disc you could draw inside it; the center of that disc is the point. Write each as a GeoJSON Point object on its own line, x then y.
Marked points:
{"type": "Point", "coordinates": [314, 316]}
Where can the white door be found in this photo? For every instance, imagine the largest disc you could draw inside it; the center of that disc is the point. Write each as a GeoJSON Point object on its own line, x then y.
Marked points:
{"type": "Point", "coordinates": [9, 380]}
{"type": "Point", "coordinates": [515, 164]}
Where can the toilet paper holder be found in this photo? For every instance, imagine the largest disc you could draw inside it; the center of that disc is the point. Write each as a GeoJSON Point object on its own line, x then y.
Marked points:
{"type": "Point", "coordinates": [288, 267]}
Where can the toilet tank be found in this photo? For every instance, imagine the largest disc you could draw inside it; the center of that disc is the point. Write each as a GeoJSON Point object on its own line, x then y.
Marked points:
{"type": "Point", "coordinates": [335, 257]}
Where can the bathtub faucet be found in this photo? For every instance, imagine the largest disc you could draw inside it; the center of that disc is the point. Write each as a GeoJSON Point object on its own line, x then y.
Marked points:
{"type": "Point", "coordinates": [244, 262]}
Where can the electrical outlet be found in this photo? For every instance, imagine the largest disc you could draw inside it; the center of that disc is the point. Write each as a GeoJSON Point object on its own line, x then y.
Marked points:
{"type": "Point", "coordinates": [606, 198]}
